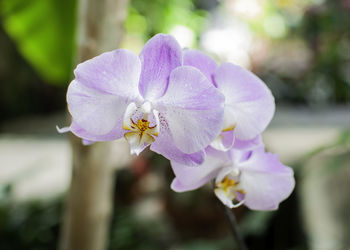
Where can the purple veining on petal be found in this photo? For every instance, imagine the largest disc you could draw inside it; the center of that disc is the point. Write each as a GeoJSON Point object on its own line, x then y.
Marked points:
{"type": "Point", "coordinates": [193, 109]}
{"type": "Point", "coordinates": [249, 104]}
{"type": "Point", "coordinates": [200, 61]}
{"type": "Point", "coordinates": [165, 146]}
{"type": "Point", "coordinates": [116, 72]}
{"type": "Point", "coordinates": [104, 85]}
{"type": "Point", "coordinates": [95, 112]}
{"type": "Point", "coordinates": [159, 57]}
{"type": "Point", "coordinates": [190, 178]}
{"type": "Point", "coordinates": [116, 133]}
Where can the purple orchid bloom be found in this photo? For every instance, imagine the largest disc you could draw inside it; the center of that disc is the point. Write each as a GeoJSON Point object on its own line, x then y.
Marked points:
{"type": "Point", "coordinates": [151, 99]}
{"type": "Point", "coordinates": [249, 104]}
{"type": "Point", "coordinates": [252, 177]}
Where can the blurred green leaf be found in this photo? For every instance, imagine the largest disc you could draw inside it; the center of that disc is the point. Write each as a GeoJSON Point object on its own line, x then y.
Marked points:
{"type": "Point", "coordinates": [256, 222]}
{"type": "Point", "coordinates": [44, 33]}
{"type": "Point", "coordinates": [150, 17]}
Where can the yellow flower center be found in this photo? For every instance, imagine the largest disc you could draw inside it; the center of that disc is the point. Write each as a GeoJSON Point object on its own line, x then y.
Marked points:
{"type": "Point", "coordinates": [140, 134]}
{"type": "Point", "coordinates": [142, 125]}
{"type": "Point", "coordinates": [230, 192]}
{"type": "Point", "coordinates": [229, 185]}
{"type": "Point", "coordinates": [141, 129]}
{"type": "Point", "coordinates": [226, 183]}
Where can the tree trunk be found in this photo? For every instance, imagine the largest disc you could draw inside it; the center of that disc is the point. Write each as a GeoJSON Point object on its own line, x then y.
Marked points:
{"type": "Point", "coordinates": [89, 203]}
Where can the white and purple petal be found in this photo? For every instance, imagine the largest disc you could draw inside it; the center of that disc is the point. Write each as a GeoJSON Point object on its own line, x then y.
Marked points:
{"type": "Point", "coordinates": [165, 146]}
{"type": "Point", "coordinates": [116, 72]}
{"type": "Point", "coordinates": [116, 133]}
{"type": "Point", "coordinates": [159, 57]}
{"type": "Point", "coordinates": [249, 104]}
{"type": "Point", "coordinates": [265, 180]}
{"type": "Point", "coordinates": [94, 111]}
{"type": "Point", "coordinates": [192, 177]}
{"type": "Point", "coordinates": [192, 108]}
{"type": "Point", "coordinates": [103, 86]}
{"type": "Point", "coordinates": [249, 144]}
{"type": "Point", "coordinates": [201, 61]}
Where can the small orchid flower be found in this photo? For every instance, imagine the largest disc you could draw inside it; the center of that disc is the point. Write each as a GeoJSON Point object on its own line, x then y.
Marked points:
{"type": "Point", "coordinates": [150, 100]}
{"type": "Point", "coordinates": [249, 104]}
{"type": "Point", "coordinates": [251, 177]}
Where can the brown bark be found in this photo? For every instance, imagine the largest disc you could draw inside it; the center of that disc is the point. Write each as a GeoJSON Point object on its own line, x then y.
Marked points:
{"type": "Point", "coordinates": [89, 203]}
{"type": "Point", "coordinates": [100, 26]}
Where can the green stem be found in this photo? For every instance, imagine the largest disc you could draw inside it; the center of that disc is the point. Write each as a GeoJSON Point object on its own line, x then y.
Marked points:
{"type": "Point", "coordinates": [234, 229]}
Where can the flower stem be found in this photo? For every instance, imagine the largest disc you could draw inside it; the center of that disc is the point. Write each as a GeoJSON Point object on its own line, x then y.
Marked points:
{"type": "Point", "coordinates": [234, 229]}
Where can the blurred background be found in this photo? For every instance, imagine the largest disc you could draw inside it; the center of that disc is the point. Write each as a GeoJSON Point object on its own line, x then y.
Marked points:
{"type": "Point", "coordinates": [300, 48]}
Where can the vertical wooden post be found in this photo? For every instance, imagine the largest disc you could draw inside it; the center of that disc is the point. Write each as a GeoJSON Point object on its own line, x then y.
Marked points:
{"type": "Point", "coordinates": [88, 206]}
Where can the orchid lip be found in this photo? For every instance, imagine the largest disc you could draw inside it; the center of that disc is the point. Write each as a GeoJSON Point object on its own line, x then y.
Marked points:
{"type": "Point", "coordinates": [228, 190]}
{"type": "Point", "coordinates": [140, 133]}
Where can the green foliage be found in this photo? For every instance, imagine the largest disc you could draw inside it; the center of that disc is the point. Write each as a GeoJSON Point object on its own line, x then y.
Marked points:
{"type": "Point", "coordinates": [44, 30]}
{"type": "Point", "coordinates": [326, 30]}
{"type": "Point", "coordinates": [130, 232]}
{"type": "Point", "coordinates": [337, 154]}
{"type": "Point", "coordinates": [44, 33]}
{"type": "Point", "coordinates": [147, 18]}
{"type": "Point", "coordinates": [341, 145]}
{"type": "Point", "coordinates": [30, 226]}
{"type": "Point", "coordinates": [256, 222]}
{"type": "Point", "coordinates": [325, 78]}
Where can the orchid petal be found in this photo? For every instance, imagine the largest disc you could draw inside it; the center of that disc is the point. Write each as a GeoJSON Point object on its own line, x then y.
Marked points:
{"type": "Point", "coordinates": [200, 61]}
{"type": "Point", "coordinates": [193, 109]}
{"type": "Point", "coordinates": [265, 180]}
{"type": "Point", "coordinates": [94, 111]}
{"type": "Point", "coordinates": [62, 130]}
{"type": "Point", "coordinates": [116, 133]}
{"type": "Point", "coordinates": [249, 104]}
{"type": "Point", "coordinates": [116, 72]}
{"type": "Point", "coordinates": [87, 142]}
{"type": "Point", "coordinates": [190, 178]}
{"type": "Point", "coordinates": [165, 146]}
{"type": "Point", "coordinates": [249, 144]}
{"type": "Point", "coordinates": [159, 57]}
{"type": "Point", "coordinates": [104, 85]}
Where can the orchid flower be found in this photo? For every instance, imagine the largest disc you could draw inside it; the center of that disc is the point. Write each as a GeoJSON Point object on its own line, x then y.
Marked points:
{"type": "Point", "coordinates": [251, 177]}
{"type": "Point", "coordinates": [249, 104]}
{"type": "Point", "coordinates": [151, 99]}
